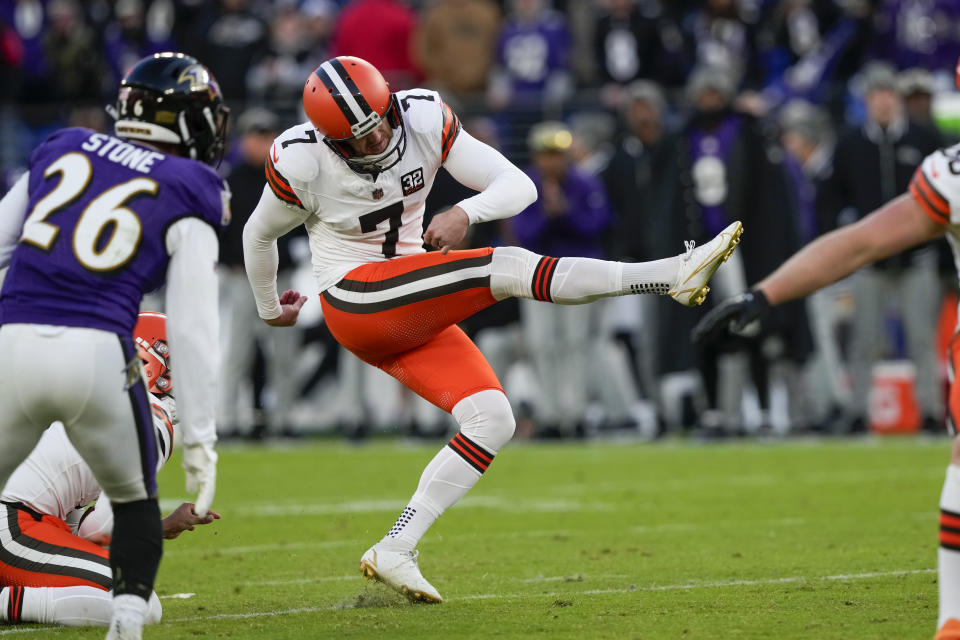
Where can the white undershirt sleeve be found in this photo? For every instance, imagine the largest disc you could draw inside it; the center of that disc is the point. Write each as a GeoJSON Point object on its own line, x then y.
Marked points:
{"type": "Point", "coordinates": [193, 326]}
{"type": "Point", "coordinates": [13, 210]}
{"type": "Point", "coordinates": [269, 220]}
{"type": "Point", "coordinates": [504, 189]}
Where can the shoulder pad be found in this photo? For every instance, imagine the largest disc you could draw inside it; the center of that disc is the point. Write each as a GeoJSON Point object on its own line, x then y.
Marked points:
{"type": "Point", "coordinates": [420, 108]}
{"type": "Point", "coordinates": [294, 151]}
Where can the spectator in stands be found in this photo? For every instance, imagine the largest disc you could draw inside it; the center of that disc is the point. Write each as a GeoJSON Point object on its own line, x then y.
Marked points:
{"type": "Point", "coordinates": [916, 89]}
{"type": "Point", "coordinates": [230, 38]}
{"type": "Point", "coordinates": [725, 166]}
{"type": "Point", "coordinates": [455, 43]}
{"type": "Point", "coordinates": [291, 56]}
{"type": "Point", "coordinates": [808, 138]}
{"type": "Point", "coordinates": [640, 219]}
{"type": "Point", "coordinates": [241, 335]}
{"type": "Point", "coordinates": [533, 57]}
{"type": "Point", "coordinates": [872, 164]}
{"type": "Point", "coordinates": [380, 32]}
{"type": "Point", "coordinates": [723, 39]}
{"type": "Point", "coordinates": [73, 66]}
{"type": "Point", "coordinates": [568, 219]}
{"type": "Point", "coordinates": [917, 34]}
{"type": "Point", "coordinates": [126, 39]}
{"type": "Point", "coordinates": [633, 40]}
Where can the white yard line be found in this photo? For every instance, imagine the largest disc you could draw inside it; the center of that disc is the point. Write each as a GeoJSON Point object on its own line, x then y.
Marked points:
{"type": "Point", "coordinates": [684, 586]}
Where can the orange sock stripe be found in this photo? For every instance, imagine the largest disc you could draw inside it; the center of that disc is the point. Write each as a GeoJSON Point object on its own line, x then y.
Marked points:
{"type": "Point", "coordinates": [475, 449]}
{"type": "Point", "coordinates": [475, 462]}
{"type": "Point", "coordinates": [949, 520]}
{"type": "Point", "coordinates": [950, 539]}
{"type": "Point", "coordinates": [15, 604]}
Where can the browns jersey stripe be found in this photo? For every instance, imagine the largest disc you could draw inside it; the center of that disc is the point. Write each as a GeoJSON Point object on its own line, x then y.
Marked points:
{"type": "Point", "coordinates": [451, 129]}
{"type": "Point", "coordinates": [929, 198]}
{"type": "Point", "coordinates": [279, 185]}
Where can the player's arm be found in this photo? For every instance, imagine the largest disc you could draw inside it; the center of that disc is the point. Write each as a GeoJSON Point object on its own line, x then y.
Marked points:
{"type": "Point", "coordinates": [504, 189]}
{"type": "Point", "coordinates": [900, 224]}
{"type": "Point", "coordinates": [270, 220]}
{"type": "Point", "coordinates": [193, 329]}
{"type": "Point", "coordinates": [13, 210]}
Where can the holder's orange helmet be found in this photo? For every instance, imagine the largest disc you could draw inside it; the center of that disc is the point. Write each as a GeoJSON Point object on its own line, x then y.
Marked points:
{"type": "Point", "coordinates": [150, 334]}
{"type": "Point", "coordinates": [345, 98]}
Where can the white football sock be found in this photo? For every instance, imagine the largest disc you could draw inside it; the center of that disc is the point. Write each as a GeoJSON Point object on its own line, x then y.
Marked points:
{"type": "Point", "coordinates": [948, 555]}
{"type": "Point", "coordinates": [65, 606]}
{"type": "Point", "coordinates": [486, 424]}
{"type": "Point", "coordinates": [516, 272]}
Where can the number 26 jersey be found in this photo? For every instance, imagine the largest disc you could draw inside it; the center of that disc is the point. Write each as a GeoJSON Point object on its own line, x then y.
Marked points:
{"type": "Point", "coordinates": [93, 239]}
{"type": "Point", "coordinates": [354, 219]}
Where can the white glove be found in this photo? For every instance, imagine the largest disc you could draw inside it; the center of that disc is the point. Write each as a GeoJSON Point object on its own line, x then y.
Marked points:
{"type": "Point", "coordinates": [200, 466]}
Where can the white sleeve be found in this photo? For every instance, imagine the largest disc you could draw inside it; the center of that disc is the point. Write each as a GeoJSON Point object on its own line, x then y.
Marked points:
{"type": "Point", "coordinates": [99, 522]}
{"type": "Point", "coordinates": [193, 326]}
{"type": "Point", "coordinates": [13, 209]}
{"type": "Point", "coordinates": [270, 220]}
{"type": "Point", "coordinates": [504, 189]}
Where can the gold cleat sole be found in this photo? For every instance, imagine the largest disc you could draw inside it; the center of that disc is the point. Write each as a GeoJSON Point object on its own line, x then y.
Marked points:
{"type": "Point", "coordinates": [413, 595]}
{"type": "Point", "coordinates": [700, 295]}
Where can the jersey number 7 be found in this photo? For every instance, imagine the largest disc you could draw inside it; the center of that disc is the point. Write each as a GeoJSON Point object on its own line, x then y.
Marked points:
{"type": "Point", "coordinates": [393, 213]}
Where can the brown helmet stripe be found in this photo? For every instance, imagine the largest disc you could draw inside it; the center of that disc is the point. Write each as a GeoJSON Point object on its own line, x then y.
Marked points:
{"type": "Point", "coordinates": [351, 85]}
{"type": "Point", "coordinates": [337, 95]}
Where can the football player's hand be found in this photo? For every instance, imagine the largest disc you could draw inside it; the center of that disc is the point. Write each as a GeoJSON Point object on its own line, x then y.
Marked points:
{"type": "Point", "coordinates": [447, 229]}
{"type": "Point", "coordinates": [184, 519]}
{"type": "Point", "coordinates": [290, 303]}
{"type": "Point", "coordinates": [737, 316]}
{"type": "Point", "coordinates": [200, 466]}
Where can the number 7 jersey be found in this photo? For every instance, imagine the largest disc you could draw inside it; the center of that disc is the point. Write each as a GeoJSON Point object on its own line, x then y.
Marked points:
{"type": "Point", "coordinates": [354, 219]}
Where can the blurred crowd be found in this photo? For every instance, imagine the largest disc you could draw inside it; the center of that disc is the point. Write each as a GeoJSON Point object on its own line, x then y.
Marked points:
{"type": "Point", "coordinates": [644, 123]}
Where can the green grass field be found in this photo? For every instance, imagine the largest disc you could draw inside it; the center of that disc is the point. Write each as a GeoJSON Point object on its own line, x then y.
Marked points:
{"type": "Point", "coordinates": [820, 540]}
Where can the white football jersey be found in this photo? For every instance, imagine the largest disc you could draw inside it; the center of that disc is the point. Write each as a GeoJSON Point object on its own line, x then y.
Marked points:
{"type": "Point", "coordinates": [54, 479]}
{"type": "Point", "coordinates": [936, 187]}
{"type": "Point", "coordinates": [354, 219]}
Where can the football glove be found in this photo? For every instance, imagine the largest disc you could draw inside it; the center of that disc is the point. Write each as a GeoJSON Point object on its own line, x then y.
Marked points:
{"type": "Point", "coordinates": [200, 466]}
{"type": "Point", "coordinates": [739, 316]}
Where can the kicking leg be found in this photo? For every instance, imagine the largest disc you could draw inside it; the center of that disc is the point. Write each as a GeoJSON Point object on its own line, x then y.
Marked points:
{"type": "Point", "coordinates": [519, 273]}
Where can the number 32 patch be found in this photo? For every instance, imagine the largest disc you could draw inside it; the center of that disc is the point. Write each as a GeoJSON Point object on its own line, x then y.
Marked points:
{"type": "Point", "coordinates": [412, 182]}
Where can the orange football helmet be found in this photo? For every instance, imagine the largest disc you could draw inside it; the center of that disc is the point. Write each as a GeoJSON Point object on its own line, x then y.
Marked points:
{"type": "Point", "coordinates": [345, 98]}
{"type": "Point", "coordinates": [150, 334]}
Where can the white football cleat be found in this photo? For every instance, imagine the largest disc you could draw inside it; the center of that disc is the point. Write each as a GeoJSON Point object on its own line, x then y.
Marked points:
{"type": "Point", "coordinates": [699, 264]}
{"type": "Point", "coordinates": [398, 570]}
{"type": "Point", "coordinates": [125, 628]}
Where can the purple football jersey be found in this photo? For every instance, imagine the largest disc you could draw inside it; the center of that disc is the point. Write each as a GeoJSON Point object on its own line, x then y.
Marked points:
{"type": "Point", "coordinates": [93, 240]}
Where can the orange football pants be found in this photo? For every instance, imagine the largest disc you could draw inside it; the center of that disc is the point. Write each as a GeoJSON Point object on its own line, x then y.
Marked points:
{"type": "Point", "coordinates": [400, 315]}
{"type": "Point", "coordinates": [39, 550]}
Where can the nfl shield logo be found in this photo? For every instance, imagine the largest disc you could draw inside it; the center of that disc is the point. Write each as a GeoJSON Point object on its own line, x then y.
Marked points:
{"type": "Point", "coordinates": [377, 193]}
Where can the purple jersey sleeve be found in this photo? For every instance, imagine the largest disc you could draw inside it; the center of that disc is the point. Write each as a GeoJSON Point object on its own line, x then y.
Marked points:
{"type": "Point", "coordinates": [93, 239]}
